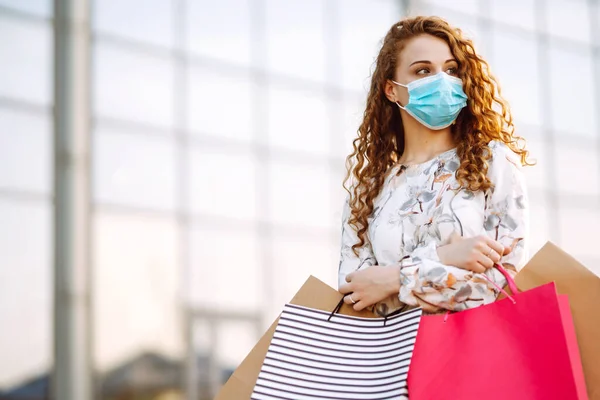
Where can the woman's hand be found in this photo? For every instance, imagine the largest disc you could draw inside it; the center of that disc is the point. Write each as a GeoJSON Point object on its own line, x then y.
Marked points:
{"type": "Point", "coordinates": [475, 254]}
{"type": "Point", "coordinates": [370, 286]}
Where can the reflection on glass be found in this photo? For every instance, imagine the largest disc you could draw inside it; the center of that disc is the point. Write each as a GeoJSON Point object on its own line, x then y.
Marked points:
{"type": "Point", "coordinates": [539, 224]}
{"type": "Point", "coordinates": [225, 270]}
{"type": "Point", "coordinates": [353, 109]}
{"type": "Point", "coordinates": [521, 13]}
{"type": "Point", "coordinates": [42, 8]}
{"type": "Point", "coordinates": [132, 86]}
{"type": "Point", "coordinates": [568, 19]}
{"type": "Point", "coordinates": [577, 168]}
{"type": "Point", "coordinates": [25, 151]}
{"type": "Point", "coordinates": [363, 25]}
{"type": "Point", "coordinates": [571, 96]}
{"type": "Point", "coordinates": [299, 195]}
{"type": "Point", "coordinates": [223, 184]}
{"type": "Point", "coordinates": [294, 260]}
{"type": "Point", "coordinates": [295, 38]}
{"type": "Point", "coordinates": [221, 105]}
{"type": "Point", "coordinates": [298, 120]}
{"type": "Point", "coordinates": [140, 20]}
{"type": "Point", "coordinates": [537, 175]}
{"type": "Point", "coordinates": [26, 291]}
{"type": "Point", "coordinates": [471, 7]}
{"type": "Point", "coordinates": [136, 289]}
{"type": "Point", "coordinates": [578, 229]}
{"type": "Point", "coordinates": [220, 29]}
{"type": "Point", "coordinates": [134, 170]}
{"type": "Point", "coordinates": [26, 60]}
{"type": "Point", "coordinates": [236, 339]}
{"type": "Point", "coordinates": [518, 74]}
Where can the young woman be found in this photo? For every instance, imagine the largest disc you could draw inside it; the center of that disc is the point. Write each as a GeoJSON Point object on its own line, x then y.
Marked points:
{"type": "Point", "coordinates": [436, 195]}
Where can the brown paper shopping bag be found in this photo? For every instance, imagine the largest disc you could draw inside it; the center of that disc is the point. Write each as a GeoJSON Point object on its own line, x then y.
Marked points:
{"type": "Point", "coordinates": [551, 264]}
{"type": "Point", "coordinates": [315, 294]}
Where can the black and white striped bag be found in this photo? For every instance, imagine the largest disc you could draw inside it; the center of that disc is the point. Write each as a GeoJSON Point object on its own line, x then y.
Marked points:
{"type": "Point", "coordinates": [318, 355]}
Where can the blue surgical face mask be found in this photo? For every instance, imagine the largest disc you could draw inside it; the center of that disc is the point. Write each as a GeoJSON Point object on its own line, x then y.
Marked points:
{"type": "Point", "coordinates": [435, 101]}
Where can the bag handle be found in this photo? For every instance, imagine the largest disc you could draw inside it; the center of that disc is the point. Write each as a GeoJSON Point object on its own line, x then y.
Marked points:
{"type": "Point", "coordinates": [512, 285]}
{"type": "Point", "coordinates": [341, 302]}
{"type": "Point", "coordinates": [509, 279]}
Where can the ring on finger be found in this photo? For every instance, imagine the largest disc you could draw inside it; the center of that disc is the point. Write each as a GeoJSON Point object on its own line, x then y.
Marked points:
{"type": "Point", "coordinates": [351, 299]}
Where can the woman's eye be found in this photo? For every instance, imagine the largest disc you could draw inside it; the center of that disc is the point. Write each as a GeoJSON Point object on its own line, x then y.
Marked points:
{"type": "Point", "coordinates": [422, 71]}
{"type": "Point", "coordinates": [452, 71]}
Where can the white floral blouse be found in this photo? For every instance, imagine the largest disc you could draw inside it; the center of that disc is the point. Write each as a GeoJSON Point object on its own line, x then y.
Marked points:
{"type": "Point", "coordinates": [417, 210]}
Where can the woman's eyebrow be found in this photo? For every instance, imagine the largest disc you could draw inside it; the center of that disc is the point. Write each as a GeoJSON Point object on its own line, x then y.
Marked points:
{"type": "Point", "coordinates": [429, 62]}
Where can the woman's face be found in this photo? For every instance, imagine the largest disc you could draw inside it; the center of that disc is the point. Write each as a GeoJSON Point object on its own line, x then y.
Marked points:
{"type": "Point", "coordinates": [422, 56]}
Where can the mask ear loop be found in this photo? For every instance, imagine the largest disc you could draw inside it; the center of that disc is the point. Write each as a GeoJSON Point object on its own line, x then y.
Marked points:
{"type": "Point", "coordinates": [399, 84]}
{"type": "Point", "coordinates": [400, 106]}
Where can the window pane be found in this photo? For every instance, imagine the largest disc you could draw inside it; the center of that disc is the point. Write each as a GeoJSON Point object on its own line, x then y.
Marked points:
{"type": "Point", "coordinates": [236, 339]}
{"type": "Point", "coordinates": [295, 38]}
{"type": "Point", "coordinates": [298, 120]}
{"type": "Point", "coordinates": [25, 151]}
{"type": "Point", "coordinates": [520, 85]}
{"type": "Point", "coordinates": [353, 109]}
{"type": "Point", "coordinates": [462, 6]}
{"type": "Point", "coordinates": [299, 195]}
{"type": "Point", "coordinates": [223, 184]}
{"type": "Point", "coordinates": [140, 20]}
{"type": "Point", "coordinates": [537, 175]}
{"type": "Point", "coordinates": [42, 8]}
{"type": "Point", "coordinates": [569, 19]}
{"type": "Point", "coordinates": [133, 86]}
{"type": "Point", "coordinates": [295, 259]}
{"type": "Point", "coordinates": [136, 288]}
{"type": "Point", "coordinates": [577, 169]}
{"type": "Point", "coordinates": [539, 225]}
{"type": "Point", "coordinates": [219, 279]}
{"type": "Point", "coordinates": [578, 231]}
{"type": "Point", "coordinates": [26, 283]}
{"type": "Point", "coordinates": [363, 27]}
{"type": "Point", "coordinates": [517, 12]}
{"type": "Point", "coordinates": [26, 60]}
{"type": "Point", "coordinates": [220, 29]}
{"type": "Point", "coordinates": [572, 98]}
{"type": "Point", "coordinates": [221, 105]}
{"type": "Point", "coordinates": [134, 169]}
{"type": "Point", "coordinates": [592, 263]}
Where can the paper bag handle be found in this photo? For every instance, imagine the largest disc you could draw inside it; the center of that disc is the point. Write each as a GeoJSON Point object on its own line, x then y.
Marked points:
{"type": "Point", "coordinates": [512, 285]}
{"type": "Point", "coordinates": [341, 302]}
{"type": "Point", "coordinates": [509, 279]}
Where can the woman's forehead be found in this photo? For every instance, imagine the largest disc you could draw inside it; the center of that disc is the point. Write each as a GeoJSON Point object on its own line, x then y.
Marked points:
{"type": "Point", "coordinates": [425, 48]}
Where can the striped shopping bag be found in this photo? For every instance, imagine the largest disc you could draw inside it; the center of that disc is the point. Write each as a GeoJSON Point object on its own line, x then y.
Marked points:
{"type": "Point", "coordinates": [315, 354]}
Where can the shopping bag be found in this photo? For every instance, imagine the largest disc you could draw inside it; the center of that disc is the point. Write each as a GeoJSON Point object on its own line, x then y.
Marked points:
{"type": "Point", "coordinates": [314, 294]}
{"type": "Point", "coordinates": [521, 348]}
{"type": "Point", "coordinates": [316, 354]}
{"type": "Point", "coordinates": [551, 264]}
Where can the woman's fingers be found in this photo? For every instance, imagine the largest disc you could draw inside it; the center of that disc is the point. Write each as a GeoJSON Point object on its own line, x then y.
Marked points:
{"type": "Point", "coordinates": [351, 299]}
{"type": "Point", "coordinates": [494, 245]}
{"type": "Point", "coordinates": [485, 262]}
{"type": "Point", "coordinates": [345, 289]}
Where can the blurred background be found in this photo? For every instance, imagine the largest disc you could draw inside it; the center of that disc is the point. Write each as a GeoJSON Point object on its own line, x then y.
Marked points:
{"type": "Point", "coordinates": [218, 131]}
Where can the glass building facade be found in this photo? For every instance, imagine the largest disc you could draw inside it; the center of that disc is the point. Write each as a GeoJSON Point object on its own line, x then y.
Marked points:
{"type": "Point", "coordinates": [219, 132]}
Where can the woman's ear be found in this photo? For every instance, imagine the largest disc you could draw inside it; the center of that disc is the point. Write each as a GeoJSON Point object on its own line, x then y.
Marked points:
{"type": "Point", "coordinates": [389, 91]}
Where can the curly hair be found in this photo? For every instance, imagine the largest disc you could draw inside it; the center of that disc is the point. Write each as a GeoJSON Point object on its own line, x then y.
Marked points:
{"type": "Point", "coordinates": [380, 141]}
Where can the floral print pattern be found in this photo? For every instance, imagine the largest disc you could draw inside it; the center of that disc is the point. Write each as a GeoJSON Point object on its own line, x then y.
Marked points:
{"type": "Point", "coordinates": [418, 209]}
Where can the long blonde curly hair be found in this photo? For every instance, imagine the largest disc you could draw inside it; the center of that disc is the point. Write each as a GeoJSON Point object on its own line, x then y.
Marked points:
{"type": "Point", "coordinates": [380, 141]}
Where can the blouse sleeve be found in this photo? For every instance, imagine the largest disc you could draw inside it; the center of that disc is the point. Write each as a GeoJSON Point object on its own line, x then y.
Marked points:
{"type": "Point", "coordinates": [427, 283]}
{"type": "Point", "coordinates": [349, 262]}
